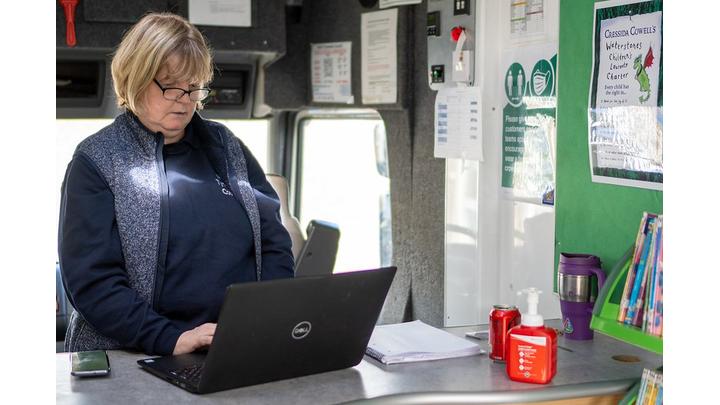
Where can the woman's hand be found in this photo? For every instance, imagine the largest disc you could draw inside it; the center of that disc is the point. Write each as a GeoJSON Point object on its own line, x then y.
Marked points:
{"type": "Point", "coordinates": [195, 339]}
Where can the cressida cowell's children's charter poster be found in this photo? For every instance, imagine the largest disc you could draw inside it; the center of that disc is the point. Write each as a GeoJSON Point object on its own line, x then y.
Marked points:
{"type": "Point", "coordinates": [625, 114]}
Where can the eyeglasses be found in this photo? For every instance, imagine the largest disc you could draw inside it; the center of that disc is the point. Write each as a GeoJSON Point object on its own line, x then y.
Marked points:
{"type": "Point", "coordinates": [175, 94]}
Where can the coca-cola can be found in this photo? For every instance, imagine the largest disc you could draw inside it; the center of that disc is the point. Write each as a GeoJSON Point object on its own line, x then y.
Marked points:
{"type": "Point", "coordinates": [502, 318]}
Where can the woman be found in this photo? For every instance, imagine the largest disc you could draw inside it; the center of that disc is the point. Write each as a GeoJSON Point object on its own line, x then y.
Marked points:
{"type": "Point", "coordinates": [162, 209]}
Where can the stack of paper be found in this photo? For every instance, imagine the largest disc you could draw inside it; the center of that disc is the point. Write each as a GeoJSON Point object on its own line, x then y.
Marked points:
{"type": "Point", "coordinates": [416, 341]}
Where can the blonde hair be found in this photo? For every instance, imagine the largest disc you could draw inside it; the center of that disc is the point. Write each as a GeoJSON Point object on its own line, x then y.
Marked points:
{"type": "Point", "coordinates": [146, 48]}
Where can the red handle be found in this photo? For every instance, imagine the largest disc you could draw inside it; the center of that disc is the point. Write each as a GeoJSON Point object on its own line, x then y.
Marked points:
{"type": "Point", "coordinates": [69, 7]}
{"type": "Point", "coordinates": [455, 32]}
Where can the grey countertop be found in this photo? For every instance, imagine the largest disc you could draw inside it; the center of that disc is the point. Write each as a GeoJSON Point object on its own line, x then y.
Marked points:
{"type": "Point", "coordinates": [584, 368]}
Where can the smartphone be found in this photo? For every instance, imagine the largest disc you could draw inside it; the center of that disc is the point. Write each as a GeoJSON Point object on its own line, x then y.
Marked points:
{"type": "Point", "coordinates": [90, 364]}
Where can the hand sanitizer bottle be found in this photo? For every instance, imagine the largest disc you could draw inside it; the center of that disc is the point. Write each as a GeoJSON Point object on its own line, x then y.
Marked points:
{"type": "Point", "coordinates": [531, 351]}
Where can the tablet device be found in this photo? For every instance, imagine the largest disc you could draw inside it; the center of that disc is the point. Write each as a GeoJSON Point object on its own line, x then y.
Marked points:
{"type": "Point", "coordinates": [317, 257]}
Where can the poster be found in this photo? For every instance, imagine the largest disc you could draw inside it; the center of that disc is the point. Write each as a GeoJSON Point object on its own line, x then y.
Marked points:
{"type": "Point", "coordinates": [223, 13]}
{"type": "Point", "coordinates": [527, 18]}
{"type": "Point", "coordinates": [458, 123]}
{"type": "Point", "coordinates": [625, 114]}
{"type": "Point", "coordinates": [378, 33]}
{"type": "Point", "coordinates": [529, 128]}
{"type": "Point", "coordinates": [331, 72]}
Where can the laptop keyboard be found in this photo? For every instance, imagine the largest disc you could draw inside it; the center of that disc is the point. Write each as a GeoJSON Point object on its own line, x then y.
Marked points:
{"type": "Point", "coordinates": [190, 374]}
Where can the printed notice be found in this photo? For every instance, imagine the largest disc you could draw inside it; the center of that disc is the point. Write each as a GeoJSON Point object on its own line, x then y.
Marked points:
{"type": "Point", "coordinates": [331, 72]}
{"type": "Point", "coordinates": [527, 18]}
{"type": "Point", "coordinates": [379, 57]}
{"type": "Point", "coordinates": [224, 13]}
{"type": "Point", "coordinates": [529, 128]}
{"type": "Point", "coordinates": [458, 123]}
{"type": "Point", "coordinates": [395, 3]}
{"type": "Point", "coordinates": [625, 114]}
{"type": "Point", "coordinates": [626, 47]}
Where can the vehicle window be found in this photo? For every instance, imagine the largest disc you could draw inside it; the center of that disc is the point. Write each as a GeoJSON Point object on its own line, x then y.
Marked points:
{"type": "Point", "coordinates": [343, 178]}
{"type": "Point", "coordinates": [69, 133]}
{"type": "Point", "coordinates": [254, 134]}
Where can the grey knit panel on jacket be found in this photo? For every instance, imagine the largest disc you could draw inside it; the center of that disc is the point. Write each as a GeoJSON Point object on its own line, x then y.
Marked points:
{"type": "Point", "coordinates": [82, 337]}
{"type": "Point", "coordinates": [238, 165]}
{"type": "Point", "coordinates": [125, 155]}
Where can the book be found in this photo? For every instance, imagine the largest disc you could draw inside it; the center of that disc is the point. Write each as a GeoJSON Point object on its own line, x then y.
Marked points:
{"type": "Point", "coordinates": [643, 385]}
{"type": "Point", "coordinates": [651, 301]}
{"type": "Point", "coordinates": [416, 341]}
{"type": "Point", "coordinates": [625, 299]}
{"type": "Point", "coordinates": [651, 387]}
{"type": "Point", "coordinates": [629, 280]}
{"type": "Point", "coordinates": [646, 282]}
{"type": "Point", "coordinates": [638, 281]}
{"type": "Point", "coordinates": [657, 321]}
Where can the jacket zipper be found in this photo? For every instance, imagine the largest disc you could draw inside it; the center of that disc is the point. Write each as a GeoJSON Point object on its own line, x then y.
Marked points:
{"type": "Point", "coordinates": [164, 208]}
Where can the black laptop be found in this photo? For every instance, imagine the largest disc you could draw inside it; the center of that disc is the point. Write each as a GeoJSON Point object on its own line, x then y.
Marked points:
{"type": "Point", "coordinates": [273, 330]}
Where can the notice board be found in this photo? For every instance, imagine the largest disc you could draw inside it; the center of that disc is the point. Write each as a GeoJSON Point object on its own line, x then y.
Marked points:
{"type": "Point", "coordinates": [595, 218]}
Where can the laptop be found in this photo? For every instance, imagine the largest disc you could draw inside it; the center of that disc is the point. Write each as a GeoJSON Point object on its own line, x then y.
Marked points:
{"type": "Point", "coordinates": [317, 256]}
{"type": "Point", "coordinates": [278, 329]}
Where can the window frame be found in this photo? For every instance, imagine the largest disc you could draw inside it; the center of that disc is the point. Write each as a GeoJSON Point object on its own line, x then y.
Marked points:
{"type": "Point", "coordinates": [295, 151]}
{"type": "Point", "coordinates": [294, 164]}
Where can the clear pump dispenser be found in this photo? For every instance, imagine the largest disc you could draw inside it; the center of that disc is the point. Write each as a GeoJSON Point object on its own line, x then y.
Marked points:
{"type": "Point", "coordinates": [532, 318]}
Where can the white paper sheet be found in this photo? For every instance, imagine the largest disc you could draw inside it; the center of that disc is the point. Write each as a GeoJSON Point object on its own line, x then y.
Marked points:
{"type": "Point", "coordinates": [527, 18]}
{"type": "Point", "coordinates": [394, 3]}
{"type": "Point", "coordinates": [458, 123]}
{"type": "Point", "coordinates": [379, 57]}
{"type": "Point", "coordinates": [331, 72]}
{"type": "Point", "coordinates": [224, 13]}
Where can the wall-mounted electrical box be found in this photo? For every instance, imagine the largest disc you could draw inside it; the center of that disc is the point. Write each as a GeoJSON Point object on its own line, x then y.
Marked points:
{"type": "Point", "coordinates": [79, 83]}
{"type": "Point", "coordinates": [450, 42]}
{"type": "Point", "coordinates": [231, 89]}
{"type": "Point", "coordinates": [232, 92]}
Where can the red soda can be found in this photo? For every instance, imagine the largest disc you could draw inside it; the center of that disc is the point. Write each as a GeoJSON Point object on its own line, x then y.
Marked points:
{"type": "Point", "coordinates": [502, 318]}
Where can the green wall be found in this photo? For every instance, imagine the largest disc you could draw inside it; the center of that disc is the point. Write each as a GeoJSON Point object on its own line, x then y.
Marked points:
{"type": "Point", "coordinates": [600, 219]}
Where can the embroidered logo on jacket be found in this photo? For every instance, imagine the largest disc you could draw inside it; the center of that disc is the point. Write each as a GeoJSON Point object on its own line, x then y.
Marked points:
{"type": "Point", "coordinates": [225, 190]}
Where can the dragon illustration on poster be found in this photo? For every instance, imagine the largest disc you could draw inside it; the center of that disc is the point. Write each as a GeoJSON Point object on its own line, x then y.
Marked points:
{"type": "Point", "coordinates": [641, 74]}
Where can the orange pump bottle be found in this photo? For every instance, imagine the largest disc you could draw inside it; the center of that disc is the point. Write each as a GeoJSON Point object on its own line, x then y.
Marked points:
{"type": "Point", "coordinates": [531, 350]}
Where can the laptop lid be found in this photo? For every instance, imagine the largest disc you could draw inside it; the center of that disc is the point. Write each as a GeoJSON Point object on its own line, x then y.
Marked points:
{"type": "Point", "coordinates": [280, 329]}
{"type": "Point", "coordinates": [317, 256]}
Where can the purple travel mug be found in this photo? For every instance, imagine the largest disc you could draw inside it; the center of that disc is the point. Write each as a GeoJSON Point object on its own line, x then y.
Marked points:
{"type": "Point", "coordinates": [576, 301]}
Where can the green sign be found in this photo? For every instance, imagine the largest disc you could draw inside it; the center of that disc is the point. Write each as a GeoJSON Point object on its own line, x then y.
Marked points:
{"type": "Point", "coordinates": [528, 168]}
{"type": "Point", "coordinates": [542, 79]}
{"type": "Point", "coordinates": [515, 84]}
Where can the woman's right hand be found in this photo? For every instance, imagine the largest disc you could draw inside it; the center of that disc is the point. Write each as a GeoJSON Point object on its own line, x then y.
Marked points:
{"type": "Point", "coordinates": [195, 339]}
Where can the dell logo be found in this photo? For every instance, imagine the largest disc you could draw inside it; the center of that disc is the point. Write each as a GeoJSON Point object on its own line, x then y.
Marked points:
{"type": "Point", "coordinates": [301, 330]}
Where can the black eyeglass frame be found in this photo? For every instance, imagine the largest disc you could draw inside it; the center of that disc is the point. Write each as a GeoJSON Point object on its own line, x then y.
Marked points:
{"type": "Point", "coordinates": [188, 92]}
